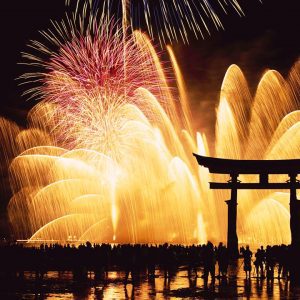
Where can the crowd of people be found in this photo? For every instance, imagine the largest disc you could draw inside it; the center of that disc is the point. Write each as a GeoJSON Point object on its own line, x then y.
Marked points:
{"type": "Point", "coordinates": [265, 261]}
{"type": "Point", "coordinates": [141, 259]}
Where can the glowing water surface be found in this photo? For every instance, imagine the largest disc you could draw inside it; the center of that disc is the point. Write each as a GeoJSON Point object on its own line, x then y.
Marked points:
{"type": "Point", "coordinates": [57, 286]}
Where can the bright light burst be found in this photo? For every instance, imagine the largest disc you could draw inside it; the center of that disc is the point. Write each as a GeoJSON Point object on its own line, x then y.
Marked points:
{"type": "Point", "coordinates": [109, 160]}
{"type": "Point", "coordinates": [167, 19]}
{"type": "Point", "coordinates": [105, 158]}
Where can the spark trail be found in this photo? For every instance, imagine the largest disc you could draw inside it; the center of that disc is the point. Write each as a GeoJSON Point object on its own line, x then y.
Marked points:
{"type": "Point", "coordinates": [168, 20]}
{"type": "Point", "coordinates": [106, 164]}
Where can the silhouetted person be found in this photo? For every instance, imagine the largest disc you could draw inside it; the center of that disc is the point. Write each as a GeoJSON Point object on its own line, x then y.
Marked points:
{"type": "Point", "coordinates": [151, 261]}
{"type": "Point", "coordinates": [270, 262]}
{"type": "Point", "coordinates": [282, 257]}
{"type": "Point", "coordinates": [192, 261]}
{"type": "Point", "coordinates": [209, 262]}
{"type": "Point", "coordinates": [223, 260]}
{"type": "Point", "coordinates": [247, 254]}
{"type": "Point", "coordinates": [259, 262]}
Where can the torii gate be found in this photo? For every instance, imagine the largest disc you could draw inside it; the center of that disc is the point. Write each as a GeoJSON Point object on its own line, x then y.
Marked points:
{"type": "Point", "coordinates": [263, 168]}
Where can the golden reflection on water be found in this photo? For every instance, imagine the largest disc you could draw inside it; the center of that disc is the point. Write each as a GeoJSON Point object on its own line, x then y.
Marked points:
{"type": "Point", "coordinates": [61, 286]}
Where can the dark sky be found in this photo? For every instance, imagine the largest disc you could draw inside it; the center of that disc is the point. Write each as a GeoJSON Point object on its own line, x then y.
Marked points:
{"type": "Point", "coordinates": [266, 38]}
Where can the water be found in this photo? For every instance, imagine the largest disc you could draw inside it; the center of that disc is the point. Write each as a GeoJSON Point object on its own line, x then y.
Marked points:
{"type": "Point", "coordinates": [62, 286]}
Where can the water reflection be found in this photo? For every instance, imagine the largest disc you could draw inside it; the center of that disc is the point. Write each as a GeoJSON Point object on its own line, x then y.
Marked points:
{"type": "Point", "coordinates": [60, 285]}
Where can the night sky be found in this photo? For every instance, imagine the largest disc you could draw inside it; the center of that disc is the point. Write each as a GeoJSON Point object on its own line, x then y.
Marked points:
{"type": "Point", "coordinates": [266, 38]}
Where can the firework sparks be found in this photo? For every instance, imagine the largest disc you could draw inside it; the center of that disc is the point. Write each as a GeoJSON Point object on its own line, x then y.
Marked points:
{"type": "Point", "coordinates": [104, 158]}
{"type": "Point", "coordinates": [109, 113]}
{"type": "Point", "coordinates": [169, 20]}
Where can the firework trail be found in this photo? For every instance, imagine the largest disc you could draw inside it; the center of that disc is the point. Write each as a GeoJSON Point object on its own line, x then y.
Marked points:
{"type": "Point", "coordinates": [169, 20]}
{"type": "Point", "coordinates": [98, 139]}
{"type": "Point", "coordinates": [105, 163]}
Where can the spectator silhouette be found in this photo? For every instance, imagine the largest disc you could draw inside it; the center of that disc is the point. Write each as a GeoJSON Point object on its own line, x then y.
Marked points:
{"type": "Point", "coordinates": [259, 262]}
{"type": "Point", "coordinates": [223, 260]}
{"type": "Point", "coordinates": [209, 261]}
{"type": "Point", "coordinates": [247, 255]}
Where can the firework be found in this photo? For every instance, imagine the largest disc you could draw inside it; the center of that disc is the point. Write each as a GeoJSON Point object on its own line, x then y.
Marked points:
{"type": "Point", "coordinates": [106, 157]}
{"type": "Point", "coordinates": [139, 185]}
{"type": "Point", "coordinates": [169, 20]}
{"type": "Point", "coordinates": [113, 123]}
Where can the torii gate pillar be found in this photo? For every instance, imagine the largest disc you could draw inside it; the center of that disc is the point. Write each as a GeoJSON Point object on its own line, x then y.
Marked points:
{"type": "Point", "coordinates": [295, 213]}
{"type": "Point", "coordinates": [295, 228]}
{"type": "Point", "coordinates": [232, 238]}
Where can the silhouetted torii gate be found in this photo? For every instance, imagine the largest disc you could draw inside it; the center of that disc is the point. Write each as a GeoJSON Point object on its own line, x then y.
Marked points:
{"type": "Point", "coordinates": [263, 168]}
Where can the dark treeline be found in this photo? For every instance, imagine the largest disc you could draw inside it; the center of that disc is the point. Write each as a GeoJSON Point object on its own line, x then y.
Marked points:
{"type": "Point", "coordinates": [139, 259]}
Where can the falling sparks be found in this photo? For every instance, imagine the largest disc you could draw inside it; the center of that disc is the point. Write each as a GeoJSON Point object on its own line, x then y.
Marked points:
{"type": "Point", "coordinates": [114, 126]}
{"type": "Point", "coordinates": [107, 155]}
{"type": "Point", "coordinates": [168, 20]}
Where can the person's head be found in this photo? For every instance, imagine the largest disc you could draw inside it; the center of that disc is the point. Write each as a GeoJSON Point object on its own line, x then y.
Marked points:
{"type": "Point", "coordinates": [210, 244]}
{"type": "Point", "coordinates": [247, 247]}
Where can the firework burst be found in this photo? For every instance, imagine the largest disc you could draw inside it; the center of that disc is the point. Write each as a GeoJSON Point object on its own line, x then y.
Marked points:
{"type": "Point", "coordinates": [88, 55]}
{"type": "Point", "coordinates": [94, 76]}
{"type": "Point", "coordinates": [106, 103]}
